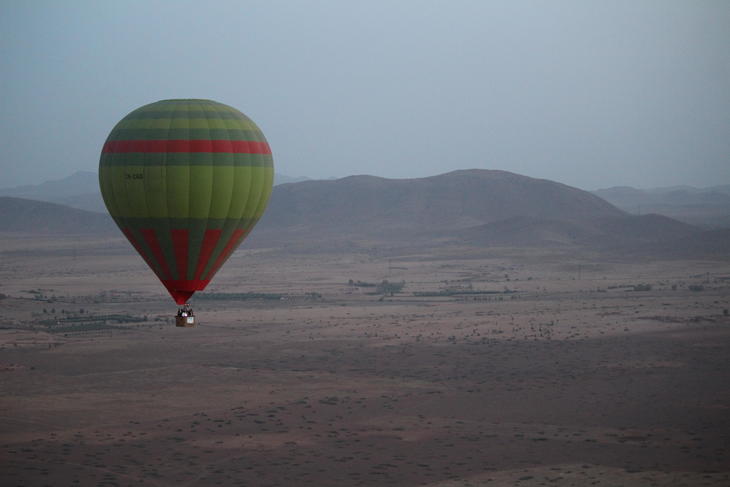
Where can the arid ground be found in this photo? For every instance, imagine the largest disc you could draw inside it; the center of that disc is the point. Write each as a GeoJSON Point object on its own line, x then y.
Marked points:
{"type": "Point", "coordinates": [489, 367]}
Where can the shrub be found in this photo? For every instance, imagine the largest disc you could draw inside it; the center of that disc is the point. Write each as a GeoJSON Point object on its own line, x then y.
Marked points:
{"type": "Point", "coordinates": [390, 288]}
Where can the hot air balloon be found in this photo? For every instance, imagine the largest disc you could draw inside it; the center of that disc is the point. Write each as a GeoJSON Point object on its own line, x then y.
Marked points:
{"type": "Point", "coordinates": [186, 181]}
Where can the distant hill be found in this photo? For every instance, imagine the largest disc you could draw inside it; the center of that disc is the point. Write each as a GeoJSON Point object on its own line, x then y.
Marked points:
{"type": "Point", "coordinates": [708, 207]}
{"type": "Point", "coordinates": [80, 182]}
{"type": "Point", "coordinates": [368, 205]}
{"type": "Point", "coordinates": [472, 207]}
{"type": "Point", "coordinates": [283, 179]}
{"type": "Point", "coordinates": [85, 201]}
{"type": "Point", "coordinates": [709, 242]}
{"type": "Point", "coordinates": [724, 188]}
{"type": "Point", "coordinates": [480, 208]}
{"type": "Point", "coordinates": [43, 218]}
{"type": "Point", "coordinates": [81, 190]}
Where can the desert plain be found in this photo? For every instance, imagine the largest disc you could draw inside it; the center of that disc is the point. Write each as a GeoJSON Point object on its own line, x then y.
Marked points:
{"type": "Point", "coordinates": [489, 366]}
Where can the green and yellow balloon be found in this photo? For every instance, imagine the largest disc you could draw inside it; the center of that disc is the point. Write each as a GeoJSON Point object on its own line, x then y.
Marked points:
{"type": "Point", "coordinates": [186, 181]}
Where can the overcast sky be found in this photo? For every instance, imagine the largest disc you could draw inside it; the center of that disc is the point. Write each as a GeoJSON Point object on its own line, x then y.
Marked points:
{"type": "Point", "coordinates": [588, 93]}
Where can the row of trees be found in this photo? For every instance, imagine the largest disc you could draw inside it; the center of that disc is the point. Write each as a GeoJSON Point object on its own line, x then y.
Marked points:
{"type": "Point", "coordinates": [386, 287]}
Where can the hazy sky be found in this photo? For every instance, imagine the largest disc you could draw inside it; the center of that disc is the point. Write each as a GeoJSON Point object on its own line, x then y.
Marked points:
{"type": "Point", "coordinates": [589, 93]}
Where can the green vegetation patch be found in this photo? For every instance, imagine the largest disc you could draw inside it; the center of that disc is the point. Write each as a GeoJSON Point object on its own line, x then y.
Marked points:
{"type": "Point", "coordinates": [117, 318]}
{"type": "Point", "coordinates": [84, 327]}
{"type": "Point", "coordinates": [458, 292]}
{"type": "Point", "coordinates": [237, 296]}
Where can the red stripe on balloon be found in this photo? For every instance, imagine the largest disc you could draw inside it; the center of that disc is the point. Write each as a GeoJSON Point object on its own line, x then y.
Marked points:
{"type": "Point", "coordinates": [230, 247]}
{"type": "Point", "coordinates": [228, 146]}
{"type": "Point", "coordinates": [209, 241]}
{"type": "Point", "coordinates": [180, 246]}
{"type": "Point", "coordinates": [151, 238]}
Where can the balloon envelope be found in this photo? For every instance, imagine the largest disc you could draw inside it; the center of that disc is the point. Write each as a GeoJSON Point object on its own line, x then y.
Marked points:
{"type": "Point", "coordinates": [186, 181]}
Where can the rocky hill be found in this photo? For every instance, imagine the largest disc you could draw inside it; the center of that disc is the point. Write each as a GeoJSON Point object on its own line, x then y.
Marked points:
{"type": "Point", "coordinates": [81, 190]}
{"type": "Point", "coordinates": [480, 208]}
{"type": "Point", "coordinates": [43, 218]}
{"type": "Point", "coordinates": [708, 207]}
{"type": "Point", "coordinates": [368, 205]}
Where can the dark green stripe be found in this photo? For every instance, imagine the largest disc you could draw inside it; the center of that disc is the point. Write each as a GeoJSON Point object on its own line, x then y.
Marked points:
{"type": "Point", "coordinates": [165, 239]}
{"type": "Point", "coordinates": [145, 249]}
{"type": "Point", "coordinates": [186, 102]}
{"type": "Point", "coordinates": [186, 134]}
{"type": "Point", "coordinates": [225, 237]}
{"type": "Point", "coordinates": [207, 106]}
{"type": "Point", "coordinates": [186, 158]}
{"type": "Point", "coordinates": [163, 224]}
{"type": "Point", "coordinates": [196, 227]}
{"type": "Point", "coordinates": [139, 115]}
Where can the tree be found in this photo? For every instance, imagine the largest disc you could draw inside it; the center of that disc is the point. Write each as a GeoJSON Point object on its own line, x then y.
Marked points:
{"type": "Point", "coordinates": [390, 288]}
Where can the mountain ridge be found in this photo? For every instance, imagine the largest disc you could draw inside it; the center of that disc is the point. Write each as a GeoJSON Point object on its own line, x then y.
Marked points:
{"type": "Point", "coordinates": [706, 207]}
{"type": "Point", "coordinates": [482, 208]}
{"type": "Point", "coordinates": [44, 218]}
{"type": "Point", "coordinates": [456, 199]}
{"type": "Point", "coordinates": [81, 190]}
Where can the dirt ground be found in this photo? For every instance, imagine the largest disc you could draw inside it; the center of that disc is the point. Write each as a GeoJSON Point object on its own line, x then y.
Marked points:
{"type": "Point", "coordinates": [489, 367]}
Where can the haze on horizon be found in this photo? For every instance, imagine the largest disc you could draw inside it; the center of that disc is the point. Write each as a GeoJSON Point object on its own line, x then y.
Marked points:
{"type": "Point", "coordinates": [591, 94]}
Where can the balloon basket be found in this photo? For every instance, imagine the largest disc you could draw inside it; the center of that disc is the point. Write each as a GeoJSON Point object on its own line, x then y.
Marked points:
{"type": "Point", "coordinates": [185, 321]}
{"type": "Point", "coordinates": [185, 317]}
